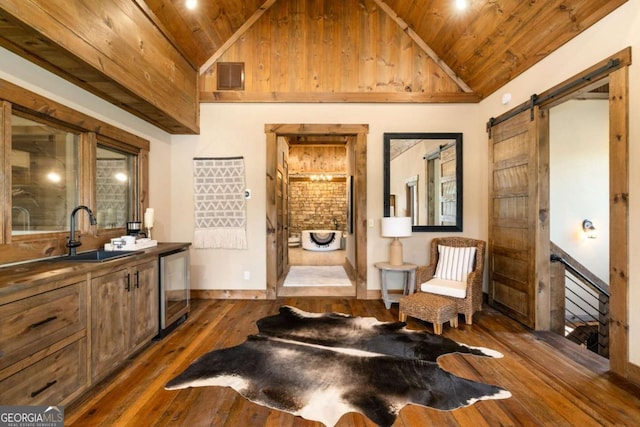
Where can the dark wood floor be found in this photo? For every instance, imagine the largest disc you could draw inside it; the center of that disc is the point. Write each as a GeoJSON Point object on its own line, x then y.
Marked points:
{"type": "Point", "coordinates": [553, 382]}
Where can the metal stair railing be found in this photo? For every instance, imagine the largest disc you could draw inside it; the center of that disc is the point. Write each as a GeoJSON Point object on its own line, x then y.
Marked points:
{"type": "Point", "coordinates": [586, 304]}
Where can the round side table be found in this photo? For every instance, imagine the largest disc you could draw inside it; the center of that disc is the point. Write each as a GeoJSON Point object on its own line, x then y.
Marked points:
{"type": "Point", "coordinates": [409, 272]}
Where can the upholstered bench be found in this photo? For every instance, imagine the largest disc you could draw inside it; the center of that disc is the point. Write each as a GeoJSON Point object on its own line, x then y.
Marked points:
{"type": "Point", "coordinates": [430, 308]}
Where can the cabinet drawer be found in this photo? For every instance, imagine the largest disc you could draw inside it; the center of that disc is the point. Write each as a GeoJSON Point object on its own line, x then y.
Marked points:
{"type": "Point", "coordinates": [33, 323]}
{"type": "Point", "coordinates": [49, 381]}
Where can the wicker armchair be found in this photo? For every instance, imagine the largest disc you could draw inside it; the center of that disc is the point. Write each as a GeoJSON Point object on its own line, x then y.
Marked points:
{"type": "Point", "coordinates": [472, 302]}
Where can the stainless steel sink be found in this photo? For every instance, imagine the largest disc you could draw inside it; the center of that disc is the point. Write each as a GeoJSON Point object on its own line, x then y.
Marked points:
{"type": "Point", "coordinates": [94, 256]}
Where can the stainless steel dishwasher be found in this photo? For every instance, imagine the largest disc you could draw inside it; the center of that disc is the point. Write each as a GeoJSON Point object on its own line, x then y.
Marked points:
{"type": "Point", "coordinates": [174, 289]}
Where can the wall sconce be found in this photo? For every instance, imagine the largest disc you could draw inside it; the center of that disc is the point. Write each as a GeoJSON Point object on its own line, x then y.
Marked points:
{"type": "Point", "coordinates": [589, 229]}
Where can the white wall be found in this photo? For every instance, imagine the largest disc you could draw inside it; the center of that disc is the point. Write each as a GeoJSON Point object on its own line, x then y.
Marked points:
{"type": "Point", "coordinates": [618, 30]}
{"type": "Point", "coordinates": [579, 171]}
{"type": "Point", "coordinates": [238, 130]}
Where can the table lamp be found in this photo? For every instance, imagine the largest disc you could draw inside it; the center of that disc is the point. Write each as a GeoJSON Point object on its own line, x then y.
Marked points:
{"type": "Point", "coordinates": [396, 226]}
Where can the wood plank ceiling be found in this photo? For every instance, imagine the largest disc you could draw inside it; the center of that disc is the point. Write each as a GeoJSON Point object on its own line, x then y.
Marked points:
{"type": "Point", "coordinates": [158, 59]}
{"type": "Point", "coordinates": [486, 45]}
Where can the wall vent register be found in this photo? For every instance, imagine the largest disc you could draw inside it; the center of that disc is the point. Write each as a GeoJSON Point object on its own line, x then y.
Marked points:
{"type": "Point", "coordinates": [230, 75]}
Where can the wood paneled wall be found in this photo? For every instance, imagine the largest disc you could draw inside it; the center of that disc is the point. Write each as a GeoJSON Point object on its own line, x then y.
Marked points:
{"type": "Point", "coordinates": [305, 159]}
{"type": "Point", "coordinates": [304, 51]}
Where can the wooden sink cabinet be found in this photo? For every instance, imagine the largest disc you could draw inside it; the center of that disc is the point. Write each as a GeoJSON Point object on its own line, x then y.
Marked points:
{"type": "Point", "coordinates": [66, 325]}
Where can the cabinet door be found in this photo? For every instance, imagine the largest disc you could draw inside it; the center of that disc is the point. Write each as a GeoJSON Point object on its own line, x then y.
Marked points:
{"type": "Point", "coordinates": [146, 302]}
{"type": "Point", "coordinates": [111, 320]}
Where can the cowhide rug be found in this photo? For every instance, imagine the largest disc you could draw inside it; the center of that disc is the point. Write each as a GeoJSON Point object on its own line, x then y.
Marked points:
{"type": "Point", "coordinates": [321, 366]}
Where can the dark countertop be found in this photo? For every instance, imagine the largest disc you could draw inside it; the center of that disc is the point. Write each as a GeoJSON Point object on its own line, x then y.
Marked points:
{"type": "Point", "coordinates": [26, 277]}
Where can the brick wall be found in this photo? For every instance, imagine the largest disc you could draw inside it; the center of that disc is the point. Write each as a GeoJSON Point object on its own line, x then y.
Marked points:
{"type": "Point", "coordinates": [313, 205]}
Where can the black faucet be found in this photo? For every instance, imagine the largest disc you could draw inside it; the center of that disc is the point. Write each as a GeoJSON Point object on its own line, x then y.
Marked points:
{"type": "Point", "coordinates": [335, 223]}
{"type": "Point", "coordinates": [72, 243]}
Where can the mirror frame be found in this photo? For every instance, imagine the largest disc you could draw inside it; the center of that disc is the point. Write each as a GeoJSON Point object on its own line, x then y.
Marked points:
{"type": "Point", "coordinates": [387, 169]}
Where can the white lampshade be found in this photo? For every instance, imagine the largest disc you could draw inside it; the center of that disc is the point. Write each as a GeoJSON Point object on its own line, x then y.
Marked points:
{"type": "Point", "coordinates": [396, 226]}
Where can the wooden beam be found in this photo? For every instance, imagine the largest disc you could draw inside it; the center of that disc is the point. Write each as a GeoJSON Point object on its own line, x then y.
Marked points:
{"type": "Point", "coordinates": [316, 129]}
{"type": "Point", "coordinates": [234, 38]}
{"type": "Point", "coordinates": [319, 97]}
{"type": "Point", "coordinates": [423, 45]}
{"type": "Point", "coordinates": [112, 51]}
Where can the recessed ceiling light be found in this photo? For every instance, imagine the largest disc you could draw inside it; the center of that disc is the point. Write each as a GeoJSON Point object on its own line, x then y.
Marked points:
{"type": "Point", "coordinates": [191, 4]}
{"type": "Point", "coordinates": [462, 4]}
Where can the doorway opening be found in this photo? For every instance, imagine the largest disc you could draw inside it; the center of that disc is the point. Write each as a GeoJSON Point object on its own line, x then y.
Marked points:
{"type": "Point", "coordinates": [522, 282]}
{"type": "Point", "coordinates": [316, 191]}
{"type": "Point", "coordinates": [317, 221]}
{"type": "Point", "coordinates": [579, 195]}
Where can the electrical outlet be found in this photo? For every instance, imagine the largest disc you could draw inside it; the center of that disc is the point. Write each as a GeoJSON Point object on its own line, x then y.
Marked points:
{"type": "Point", "coordinates": [247, 275]}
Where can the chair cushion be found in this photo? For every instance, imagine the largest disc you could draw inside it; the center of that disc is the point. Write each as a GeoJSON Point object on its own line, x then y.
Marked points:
{"type": "Point", "coordinates": [449, 288]}
{"type": "Point", "coordinates": [455, 263]}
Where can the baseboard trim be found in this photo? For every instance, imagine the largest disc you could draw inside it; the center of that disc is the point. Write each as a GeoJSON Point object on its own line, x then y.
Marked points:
{"type": "Point", "coordinates": [227, 294]}
{"type": "Point", "coordinates": [251, 294]}
{"type": "Point", "coordinates": [373, 294]}
{"type": "Point", "coordinates": [634, 374]}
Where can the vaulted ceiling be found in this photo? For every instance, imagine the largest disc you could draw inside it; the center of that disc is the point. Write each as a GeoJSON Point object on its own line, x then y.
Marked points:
{"type": "Point", "coordinates": [157, 59]}
{"type": "Point", "coordinates": [485, 46]}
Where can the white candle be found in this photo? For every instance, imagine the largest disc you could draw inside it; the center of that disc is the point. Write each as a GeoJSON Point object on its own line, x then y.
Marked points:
{"type": "Point", "coordinates": [148, 218]}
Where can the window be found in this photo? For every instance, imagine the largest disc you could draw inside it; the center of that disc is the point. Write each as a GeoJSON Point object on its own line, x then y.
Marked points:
{"type": "Point", "coordinates": [44, 170]}
{"type": "Point", "coordinates": [116, 185]}
{"type": "Point", "coordinates": [56, 159]}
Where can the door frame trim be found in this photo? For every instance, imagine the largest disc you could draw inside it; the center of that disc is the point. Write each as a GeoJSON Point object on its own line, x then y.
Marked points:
{"type": "Point", "coordinates": [618, 79]}
{"type": "Point", "coordinates": [359, 162]}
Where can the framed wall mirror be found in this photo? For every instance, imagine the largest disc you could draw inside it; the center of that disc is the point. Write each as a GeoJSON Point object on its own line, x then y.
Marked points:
{"type": "Point", "coordinates": [423, 179]}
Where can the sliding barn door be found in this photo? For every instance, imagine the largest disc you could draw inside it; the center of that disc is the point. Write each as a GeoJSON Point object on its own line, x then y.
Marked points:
{"type": "Point", "coordinates": [518, 212]}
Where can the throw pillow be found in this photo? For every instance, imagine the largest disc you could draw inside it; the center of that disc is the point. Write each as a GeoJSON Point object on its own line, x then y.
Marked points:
{"type": "Point", "coordinates": [455, 263]}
